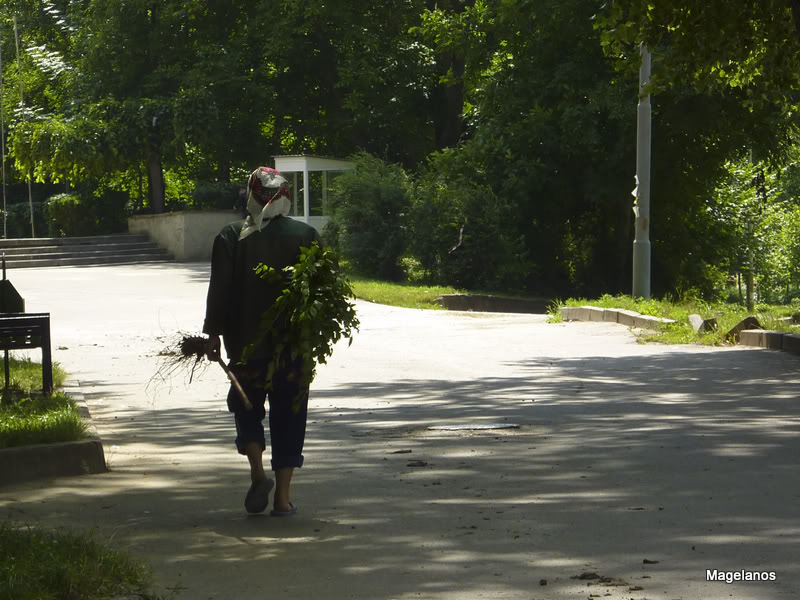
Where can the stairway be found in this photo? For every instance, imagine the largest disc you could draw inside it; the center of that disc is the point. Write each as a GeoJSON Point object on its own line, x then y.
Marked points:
{"type": "Point", "coordinates": [96, 250]}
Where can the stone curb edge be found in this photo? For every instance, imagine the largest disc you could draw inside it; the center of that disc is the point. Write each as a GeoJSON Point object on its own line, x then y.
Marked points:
{"type": "Point", "coordinates": [628, 318]}
{"type": "Point", "coordinates": [38, 461]}
{"type": "Point", "coordinates": [773, 340]}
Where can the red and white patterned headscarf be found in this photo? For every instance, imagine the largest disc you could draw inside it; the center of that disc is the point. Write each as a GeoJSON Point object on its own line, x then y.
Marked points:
{"type": "Point", "coordinates": [267, 198]}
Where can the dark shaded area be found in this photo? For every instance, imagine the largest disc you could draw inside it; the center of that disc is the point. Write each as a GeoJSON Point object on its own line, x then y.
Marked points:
{"type": "Point", "coordinates": [690, 460]}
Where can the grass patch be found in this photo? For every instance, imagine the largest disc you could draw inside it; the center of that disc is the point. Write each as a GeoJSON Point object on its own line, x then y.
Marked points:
{"type": "Point", "coordinates": [26, 375]}
{"type": "Point", "coordinates": [407, 295]}
{"type": "Point", "coordinates": [62, 564]}
{"type": "Point", "coordinates": [413, 294]}
{"type": "Point", "coordinates": [29, 417]}
{"type": "Point", "coordinates": [681, 332]}
{"type": "Point", "coordinates": [39, 419]}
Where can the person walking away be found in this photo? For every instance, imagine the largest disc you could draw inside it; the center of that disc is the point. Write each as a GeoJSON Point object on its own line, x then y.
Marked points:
{"type": "Point", "coordinates": [237, 297]}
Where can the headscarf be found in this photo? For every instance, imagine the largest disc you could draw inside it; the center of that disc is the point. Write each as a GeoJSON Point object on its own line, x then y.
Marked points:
{"type": "Point", "coordinates": [267, 197]}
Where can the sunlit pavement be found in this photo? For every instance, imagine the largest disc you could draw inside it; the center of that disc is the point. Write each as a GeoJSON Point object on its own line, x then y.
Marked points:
{"type": "Point", "coordinates": [684, 457]}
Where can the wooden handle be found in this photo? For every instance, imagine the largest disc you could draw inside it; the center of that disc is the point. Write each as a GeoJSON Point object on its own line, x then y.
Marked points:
{"type": "Point", "coordinates": [236, 384]}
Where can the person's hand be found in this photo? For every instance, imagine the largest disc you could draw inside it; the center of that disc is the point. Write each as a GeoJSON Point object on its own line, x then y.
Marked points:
{"type": "Point", "coordinates": [212, 348]}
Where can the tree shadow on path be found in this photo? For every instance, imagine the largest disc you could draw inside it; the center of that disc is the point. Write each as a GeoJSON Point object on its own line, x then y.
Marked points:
{"type": "Point", "coordinates": [688, 459]}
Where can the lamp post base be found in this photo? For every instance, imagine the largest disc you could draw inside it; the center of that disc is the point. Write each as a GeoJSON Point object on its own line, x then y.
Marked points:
{"type": "Point", "coordinates": [641, 269]}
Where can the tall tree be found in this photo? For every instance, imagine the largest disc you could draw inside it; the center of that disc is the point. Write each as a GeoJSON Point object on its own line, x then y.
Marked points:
{"type": "Point", "coordinates": [552, 129]}
{"type": "Point", "coordinates": [753, 45]}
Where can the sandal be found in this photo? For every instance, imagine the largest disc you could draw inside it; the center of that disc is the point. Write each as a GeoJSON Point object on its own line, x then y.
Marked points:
{"type": "Point", "coordinates": [257, 498]}
{"type": "Point", "coordinates": [284, 513]}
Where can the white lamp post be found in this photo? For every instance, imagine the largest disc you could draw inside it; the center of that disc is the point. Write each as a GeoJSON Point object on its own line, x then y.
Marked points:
{"type": "Point", "coordinates": [641, 242]}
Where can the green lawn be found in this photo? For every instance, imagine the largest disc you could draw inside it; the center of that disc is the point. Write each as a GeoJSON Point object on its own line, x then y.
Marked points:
{"type": "Point", "coordinates": [727, 316]}
{"type": "Point", "coordinates": [411, 295]}
{"type": "Point", "coordinates": [407, 295]}
{"type": "Point", "coordinates": [29, 417]}
{"type": "Point", "coordinates": [39, 419]}
{"type": "Point", "coordinates": [53, 564]}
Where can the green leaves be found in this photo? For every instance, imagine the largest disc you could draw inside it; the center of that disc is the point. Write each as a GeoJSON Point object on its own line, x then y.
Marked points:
{"type": "Point", "coordinates": [761, 229]}
{"type": "Point", "coordinates": [312, 313]}
{"type": "Point", "coordinates": [743, 44]}
{"type": "Point", "coordinates": [370, 205]}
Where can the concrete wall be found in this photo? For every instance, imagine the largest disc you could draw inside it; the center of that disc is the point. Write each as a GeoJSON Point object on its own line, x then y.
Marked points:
{"type": "Point", "coordinates": [189, 236]}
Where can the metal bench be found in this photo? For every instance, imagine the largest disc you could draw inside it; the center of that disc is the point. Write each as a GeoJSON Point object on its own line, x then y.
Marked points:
{"type": "Point", "coordinates": [28, 330]}
{"type": "Point", "coordinates": [20, 330]}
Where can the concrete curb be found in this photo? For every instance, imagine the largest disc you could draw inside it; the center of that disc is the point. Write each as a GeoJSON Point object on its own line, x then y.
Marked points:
{"type": "Point", "coordinates": [772, 340]}
{"type": "Point", "coordinates": [759, 338]}
{"type": "Point", "coordinates": [38, 461]}
{"type": "Point", "coordinates": [482, 303]}
{"type": "Point", "coordinates": [628, 318]}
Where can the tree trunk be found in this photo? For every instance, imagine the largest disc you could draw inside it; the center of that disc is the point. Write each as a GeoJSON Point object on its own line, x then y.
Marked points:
{"type": "Point", "coordinates": [447, 101]}
{"type": "Point", "coordinates": [224, 171]}
{"type": "Point", "coordinates": [140, 205]}
{"type": "Point", "coordinates": [624, 243]}
{"type": "Point", "coordinates": [796, 15]}
{"type": "Point", "coordinates": [739, 280]}
{"type": "Point", "coordinates": [155, 181]}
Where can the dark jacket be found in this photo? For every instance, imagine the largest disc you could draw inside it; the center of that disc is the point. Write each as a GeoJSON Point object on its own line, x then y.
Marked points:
{"type": "Point", "coordinates": [237, 297]}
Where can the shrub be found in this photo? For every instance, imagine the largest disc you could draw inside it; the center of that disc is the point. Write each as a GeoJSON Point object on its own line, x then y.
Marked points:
{"type": "Point", "coordinates": [369, 212]}
{"type": "Point", "coordinates": [67, 216]}
{"type": "Point", "coordinates": [81, 214]}
{"type": "Point", "coordinates": [215, 195]}
{"type": "Point", "coordinates": [463, 232]}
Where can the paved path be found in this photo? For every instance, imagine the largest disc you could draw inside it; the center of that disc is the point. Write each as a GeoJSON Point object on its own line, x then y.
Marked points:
{"type": "Point", "coordinates": [686, 456]}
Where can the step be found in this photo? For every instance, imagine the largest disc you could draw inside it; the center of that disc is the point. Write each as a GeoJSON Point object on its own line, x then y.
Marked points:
{"type": "Point", "coordinates": [72, 241]}
{"type": "Point", "coordinates": [87, 250]}
{"type": "Point", "coordinates": [86, 253]}
{"type": "Point", "coordinates": [107, 259]}
{"type": "Point", "coordinates": [74, 248]}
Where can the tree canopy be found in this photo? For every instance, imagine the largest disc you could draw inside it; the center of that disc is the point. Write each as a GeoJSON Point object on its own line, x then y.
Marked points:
{"type": "Point", "coordinates": [513, 121]}
{"type": "Point", "coordinates": [752, 45]}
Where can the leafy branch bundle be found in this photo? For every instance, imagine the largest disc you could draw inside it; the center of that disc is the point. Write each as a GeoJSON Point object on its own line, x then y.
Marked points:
{"type": "Point", "coordinates": [312, 313]}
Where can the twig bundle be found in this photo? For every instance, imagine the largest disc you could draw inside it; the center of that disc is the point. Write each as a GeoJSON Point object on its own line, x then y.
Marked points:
{"type": "Point", "coordinates": [186, 352]}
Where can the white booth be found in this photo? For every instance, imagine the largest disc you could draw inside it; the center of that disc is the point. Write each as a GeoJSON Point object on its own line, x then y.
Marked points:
{"type": "Point", "coordinates": [316, 172]}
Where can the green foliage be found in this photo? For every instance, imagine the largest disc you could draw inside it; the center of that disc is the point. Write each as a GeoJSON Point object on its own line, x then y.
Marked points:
{"type": "Point", "coordinates": [750, 45]}
{"type": "Point", "coordinates": [554, 311]}
{"type": "Point", "coordinates": [309, 317]}
{"type": "Point", "coordinates": [217, 195]}
{"type": "Point", "coordinates": [42, 563]}
{"type": "Point", "coordinates": [757, 210]}
{"type": "Point", "coordinates": [84, 213]}
{"type": "Point", "coordinates": [530, 107]}
{"type": "Point", "coordinates": [369, 216]}
{"type": "Point", "coordinates": [67, 216]}
{"type": "Point", "coordinates": [462, 232]}
{"type": "Point", "coordinates": [58, 149]}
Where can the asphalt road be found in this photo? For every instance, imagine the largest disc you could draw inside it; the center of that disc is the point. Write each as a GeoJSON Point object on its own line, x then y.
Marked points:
{"type": "Point", "coordinates": [634, 469]}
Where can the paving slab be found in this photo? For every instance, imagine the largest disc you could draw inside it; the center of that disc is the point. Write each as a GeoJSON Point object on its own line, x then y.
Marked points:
{"type": "Point", "coordinates": [647, 465]}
